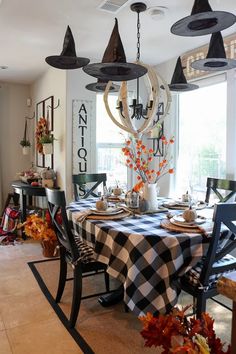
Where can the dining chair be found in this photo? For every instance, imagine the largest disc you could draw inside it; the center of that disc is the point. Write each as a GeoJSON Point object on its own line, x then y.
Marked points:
{"type": "Point", "coordinates": [81, 181]}
{"type": "Point", "coordinates": [200, 281]}
{"type": "Point", "coordinates": [218, 186]}
{"type": "Point", "coordinates": [74, 252]}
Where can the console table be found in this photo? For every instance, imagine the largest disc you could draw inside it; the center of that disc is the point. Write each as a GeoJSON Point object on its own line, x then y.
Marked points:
{"type": "Point", "coordinates": [27, 191]}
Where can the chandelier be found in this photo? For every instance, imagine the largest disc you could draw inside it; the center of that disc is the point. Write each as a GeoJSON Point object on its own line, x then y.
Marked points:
{"type": "Point", "coordinates": [145, 115]}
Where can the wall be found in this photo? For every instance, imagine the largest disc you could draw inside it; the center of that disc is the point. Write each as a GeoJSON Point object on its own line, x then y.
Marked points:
{"type": "Point", "coordinates": [53, 83]}
{"type": "Point", "coordinates": [13, 109]}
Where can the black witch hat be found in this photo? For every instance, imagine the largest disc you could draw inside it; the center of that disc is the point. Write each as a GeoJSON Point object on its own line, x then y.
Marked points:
{"type": "Point", "coordinates": [179, 82]}
{"type": "Point", "coordinates": [100, 86]}
{"type": "Point", "coordinates": [203, 21]}
{"type": "Point", "coordinates": [216, 57]}
{"type": "Point", "coordinates": [67, 59]}
{"type": "Point", "coordinates": [114, 66]}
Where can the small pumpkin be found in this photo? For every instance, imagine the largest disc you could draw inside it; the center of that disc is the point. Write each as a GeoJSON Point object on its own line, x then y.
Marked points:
{"type": "Point", "coordinates": [117, 191]}
{"type": "Point", "coordinates": [190, 214]}
{"type": "Point", "coordinates": [101, 204]}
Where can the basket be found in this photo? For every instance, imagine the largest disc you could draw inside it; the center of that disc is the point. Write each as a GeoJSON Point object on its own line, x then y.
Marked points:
{"type": "Point", "coordinates": [50, 248]}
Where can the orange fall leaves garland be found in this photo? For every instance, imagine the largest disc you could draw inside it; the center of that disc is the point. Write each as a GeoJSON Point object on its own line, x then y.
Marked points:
{"type": "Point", "coordinates": [39, 228]}
{"type": "Point", "coordinates": [178, 334]}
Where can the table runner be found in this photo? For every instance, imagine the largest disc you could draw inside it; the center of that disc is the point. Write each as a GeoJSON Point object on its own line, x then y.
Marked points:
{"type": "Point", "coordinates": [145, 257]}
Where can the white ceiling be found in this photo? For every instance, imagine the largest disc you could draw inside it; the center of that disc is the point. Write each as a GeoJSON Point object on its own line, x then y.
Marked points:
{"type": "Point", "coordinates": [30, 30]}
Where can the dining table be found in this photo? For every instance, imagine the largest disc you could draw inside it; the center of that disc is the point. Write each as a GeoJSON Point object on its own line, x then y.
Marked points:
{"type": "Point", "coordinates": [145, 256]}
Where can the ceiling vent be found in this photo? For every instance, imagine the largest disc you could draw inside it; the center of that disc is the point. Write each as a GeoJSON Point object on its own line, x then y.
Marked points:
{"type": "Point", "coordinates": [112, 6]}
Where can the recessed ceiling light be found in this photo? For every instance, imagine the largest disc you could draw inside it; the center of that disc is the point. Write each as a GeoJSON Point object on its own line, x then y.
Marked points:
{"type": "Point", "coordinates": [157, 12]}
{"type": "Point", "coordinates": [3, 67]}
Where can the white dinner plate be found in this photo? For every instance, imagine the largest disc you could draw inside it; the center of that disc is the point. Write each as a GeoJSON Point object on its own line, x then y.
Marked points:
{"type": "Point", "coordinates": [180, 202]}
{"type": "Point", "coordinates": [108, 211]}
{"type": "Point", "coordinates": [179, 220]}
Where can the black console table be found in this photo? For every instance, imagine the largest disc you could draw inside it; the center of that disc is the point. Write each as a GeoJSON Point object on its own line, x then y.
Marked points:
{"type": "Point", "coordinates": [27, 191]}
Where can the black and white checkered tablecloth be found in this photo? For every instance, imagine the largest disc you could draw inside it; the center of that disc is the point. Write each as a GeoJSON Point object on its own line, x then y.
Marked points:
{"type": "Point", "coordinates": [145, 257]}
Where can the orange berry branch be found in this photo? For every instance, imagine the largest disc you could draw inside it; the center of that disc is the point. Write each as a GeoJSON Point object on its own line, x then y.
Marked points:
{"type": "Point", "coordinates": [139, 157]}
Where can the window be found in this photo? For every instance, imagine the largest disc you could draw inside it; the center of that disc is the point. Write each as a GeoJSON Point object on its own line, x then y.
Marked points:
{"type": "Point", "coordinates": [202, 137]}
{"type": "Point", "coordinates": [110, 141]}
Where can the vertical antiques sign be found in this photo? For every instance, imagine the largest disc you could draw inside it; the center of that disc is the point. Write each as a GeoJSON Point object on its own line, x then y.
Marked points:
{"type": "Point", "coordinates": [82, 111]}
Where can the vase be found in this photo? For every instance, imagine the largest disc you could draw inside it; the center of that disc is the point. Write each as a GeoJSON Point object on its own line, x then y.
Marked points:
{"type": "Point", "coordinates": [150, 194]}
{"type": "Point", "coordinates": [47, 149]}
{"type": "Point", "coordinates": [25, 150]}
{"type": "Point", "coordinates": [49, 248]}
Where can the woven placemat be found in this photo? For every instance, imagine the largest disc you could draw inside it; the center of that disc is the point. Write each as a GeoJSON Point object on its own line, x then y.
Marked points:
{"type": "Point", "coordinates": [177, 206]}
{"type": "Point", "coordinates": [166, 224]}
{"type": "Point", "coordinates": [110, 217]}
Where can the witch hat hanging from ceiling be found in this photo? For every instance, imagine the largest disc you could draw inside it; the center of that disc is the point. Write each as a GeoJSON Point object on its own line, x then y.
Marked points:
{"type": "Point", "coordinates": [203, 21]}
{"type": "Point", "coordinates": [68, 58]}
{"type": "Point", "coordinates": [100, 86]}
{"type": "Point", "coordinates": [114, 66]}
{"type": "Point", "coordinates": [179, 82]}
{"type": "Point", "coordinates": [216, 57]}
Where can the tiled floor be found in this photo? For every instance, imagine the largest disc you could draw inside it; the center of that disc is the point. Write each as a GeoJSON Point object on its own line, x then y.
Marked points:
{"type": "Point", "coordinates": [28, 325]}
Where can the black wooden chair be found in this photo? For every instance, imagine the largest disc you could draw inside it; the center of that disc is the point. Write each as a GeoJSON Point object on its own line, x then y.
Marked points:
{"type": "Point", "coordinates": [74, 252]}
{"type": "Point", "coordinates": [217, 186]}
{"type": "Point", "coordinates": [81, 188]}
{"type": "Point", "coordinates": [200, 281]}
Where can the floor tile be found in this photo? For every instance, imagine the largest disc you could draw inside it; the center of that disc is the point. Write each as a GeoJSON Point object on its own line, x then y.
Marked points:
{"type": "Point", "coordinates": [20, 310]}
{"type": "Point", "coordinates": [4, 343]}
{"type": "Point", "coordinates": [39, 338]}
{"type": "Point", "coordinates": [2, 327]}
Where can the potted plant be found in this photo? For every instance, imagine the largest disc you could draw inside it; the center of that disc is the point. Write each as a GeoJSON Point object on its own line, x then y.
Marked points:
{"type": "Point", "coordinates": [25, 143]}
{"type": "Point", "coordinates": [25, 146]}
{"type": "Point", "coordinates": [47, 142]}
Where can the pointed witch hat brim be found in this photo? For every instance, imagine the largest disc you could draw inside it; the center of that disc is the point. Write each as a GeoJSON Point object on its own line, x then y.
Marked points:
{"type": "Point", "coordinates": [100, 86]}
{"type": "Point", "coordinates": [203, 21]}
{"type": "Point", "coordinates": [179, 82]}
{"type": "Point", "coordinates": [67, 59]}
{"type": "Point", "coordinates": [114, 66]}
{"type": "Point", "coordinates": [216, 57]}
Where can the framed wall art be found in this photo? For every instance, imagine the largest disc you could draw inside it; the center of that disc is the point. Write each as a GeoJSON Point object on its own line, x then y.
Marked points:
{"type": "Point", "coordinates": [44, 121]}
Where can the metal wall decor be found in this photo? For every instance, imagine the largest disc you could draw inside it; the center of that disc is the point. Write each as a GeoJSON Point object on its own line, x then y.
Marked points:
{"type": "Point", "coordinates": [203, 21]}
{"type": "Point", "coordinates": [68, 58]}
{"type": "Point", "coordinates": [157, 143]}
{"type": "Point", "coordinates": [45, 109]}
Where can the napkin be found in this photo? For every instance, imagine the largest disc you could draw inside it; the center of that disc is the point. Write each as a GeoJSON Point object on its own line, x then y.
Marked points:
{"type": "Point", "coordinates": [91, 214]}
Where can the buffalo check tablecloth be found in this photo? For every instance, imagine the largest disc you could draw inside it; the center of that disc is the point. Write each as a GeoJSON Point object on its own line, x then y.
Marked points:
{"type": "Point", "coordinates": [146, 258]}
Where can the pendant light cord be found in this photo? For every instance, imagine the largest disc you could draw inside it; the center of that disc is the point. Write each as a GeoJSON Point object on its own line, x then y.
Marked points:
{"type": "Point", "coordinates": [138, 36]}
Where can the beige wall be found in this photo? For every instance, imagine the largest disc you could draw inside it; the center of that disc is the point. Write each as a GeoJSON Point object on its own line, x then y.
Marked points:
{"type": "Point", "coordinates": [13, 109]}
{"type": "Point", "coordinates": [53, 83]}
